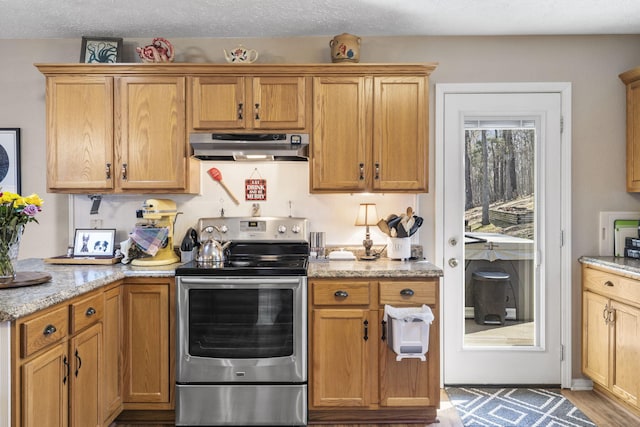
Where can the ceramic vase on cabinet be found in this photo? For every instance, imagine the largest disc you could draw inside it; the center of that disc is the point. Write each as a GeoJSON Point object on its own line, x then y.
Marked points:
{"type": "Point", "coordinates": [345, 48]}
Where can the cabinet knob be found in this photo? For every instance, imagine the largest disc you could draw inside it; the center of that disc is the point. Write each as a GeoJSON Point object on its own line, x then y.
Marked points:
{"type": "Point", "coordinates": [48, 330]}
{"type": "Point", "coordinates": [90, 311]}
{"type": "Point", "coordinates": [341, 294]}
{"type": "Point", "coordinates": [609, 283]}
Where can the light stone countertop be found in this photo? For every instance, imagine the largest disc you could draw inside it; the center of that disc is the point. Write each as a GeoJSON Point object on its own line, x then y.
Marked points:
{"type": "Point", "coordinates": [69, 281]}
{"type": "Point", "coordinates": [382, 267]}
{"type": "Point", "coordinates": [628, 267]}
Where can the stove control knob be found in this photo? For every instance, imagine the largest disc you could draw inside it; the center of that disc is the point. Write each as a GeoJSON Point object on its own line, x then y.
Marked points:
{"type": "Point", "coordinates": [224, 229]}
{"type": "Point", "coordinates": [208, 229]}
{"type": "Point", "coordinates": [295, 229]}
{"type": "Point", "coordinates": [282, 229]}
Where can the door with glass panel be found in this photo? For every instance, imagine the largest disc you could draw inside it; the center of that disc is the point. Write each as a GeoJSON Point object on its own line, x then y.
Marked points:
{"type": "Point", "coordinates": [502, 238]}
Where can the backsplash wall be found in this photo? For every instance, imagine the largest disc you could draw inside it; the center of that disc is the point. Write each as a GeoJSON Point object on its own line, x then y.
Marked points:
{"type": "Point", "coordinates": [287, 194]}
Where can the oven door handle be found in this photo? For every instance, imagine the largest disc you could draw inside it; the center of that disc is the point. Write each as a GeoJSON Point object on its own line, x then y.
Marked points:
{"type": "Point", "coordinates": [240, 283]}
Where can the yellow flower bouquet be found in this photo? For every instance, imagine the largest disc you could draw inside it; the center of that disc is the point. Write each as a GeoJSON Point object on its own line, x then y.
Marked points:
{"type": "Point", "coordinates": [15, 212]}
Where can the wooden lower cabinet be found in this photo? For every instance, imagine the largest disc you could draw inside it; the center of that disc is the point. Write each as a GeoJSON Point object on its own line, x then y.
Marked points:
{"type": "Point", "coordinates": [59, 380]}
{"type": "Point", "coordinates": [82, 362]}
{"type": "Point", "coordinates": [45, 389]}
{"type": "Point", "coordinates": [149, 335]}
{"type": "Point", "coordinates": [611, 334]}
{"type": "Point", "coordinates": [85, 374]}
{"type": "Point", "coordinates": [354, 374]}
{"type": "Point", "coordinates": [112, 330]}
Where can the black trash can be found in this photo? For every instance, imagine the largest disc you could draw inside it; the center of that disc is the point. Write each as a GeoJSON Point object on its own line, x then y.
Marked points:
{"type": "Point", "coordinates": [490, 296]}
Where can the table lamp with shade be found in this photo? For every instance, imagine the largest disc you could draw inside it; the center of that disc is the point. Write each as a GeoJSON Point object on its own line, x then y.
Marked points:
{"type": "Point", "coordinates": [367, 215]}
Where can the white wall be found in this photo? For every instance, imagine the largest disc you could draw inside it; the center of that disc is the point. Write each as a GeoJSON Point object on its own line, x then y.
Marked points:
{"type": "Point", "coordinates": [590, 63]}
{"type": "Point", "coordinates": [286, 182]}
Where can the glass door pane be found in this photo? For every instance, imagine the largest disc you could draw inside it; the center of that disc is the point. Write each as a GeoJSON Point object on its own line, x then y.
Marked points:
{"type": "Point", "coordinates": [500, 230]}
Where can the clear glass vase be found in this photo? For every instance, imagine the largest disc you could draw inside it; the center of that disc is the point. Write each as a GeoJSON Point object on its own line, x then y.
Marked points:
{"type": "Point", "coordinates": [9, 248]}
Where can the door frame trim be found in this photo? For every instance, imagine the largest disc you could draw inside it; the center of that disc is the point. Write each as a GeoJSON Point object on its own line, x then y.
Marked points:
{"type": "Point", "coordinates": [564, 89]}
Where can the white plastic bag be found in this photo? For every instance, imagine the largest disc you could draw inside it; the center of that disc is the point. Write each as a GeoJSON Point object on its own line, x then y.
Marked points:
{"type": "Point", "coordinates": [408, 329]}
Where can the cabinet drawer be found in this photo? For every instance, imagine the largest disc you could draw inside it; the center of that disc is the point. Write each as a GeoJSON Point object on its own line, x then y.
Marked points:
{"type": "Point", "coordinates": [400, 293]}
{"type": "Point", "coordinates": [44, 330]}
{"type": "Point", "coordinates": [86, 312]}
{"type": "Point", "coordinates": [611, 285]}
{"type": "Point", "coordinates": [341, 293]}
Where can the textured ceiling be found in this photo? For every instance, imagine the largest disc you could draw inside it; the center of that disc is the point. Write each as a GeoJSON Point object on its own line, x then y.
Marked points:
{"type": "Point", "coordinates": [35, 19]}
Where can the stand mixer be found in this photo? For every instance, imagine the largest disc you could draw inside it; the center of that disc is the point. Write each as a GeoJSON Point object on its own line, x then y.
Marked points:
{"type": "Point", "coordinates": [160, 213]}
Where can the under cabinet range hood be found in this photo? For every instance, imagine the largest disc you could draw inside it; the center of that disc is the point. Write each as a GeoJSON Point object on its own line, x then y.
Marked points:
{"type": "Point", "coordinates": [250, 146]}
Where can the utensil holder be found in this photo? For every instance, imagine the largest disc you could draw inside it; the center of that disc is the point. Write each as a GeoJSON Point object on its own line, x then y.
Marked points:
{"type": "Point", "coordinates": [399, 248]}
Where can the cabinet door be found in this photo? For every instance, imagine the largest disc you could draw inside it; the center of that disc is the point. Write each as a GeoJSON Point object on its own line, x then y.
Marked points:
{"type": "Point", "coordinates": [633, 136]}
{"type": "Point", "coordinates": [625, 374]}
{"type": "Point", "coordinates": [410, 382]}
{"type": "Point", "coordinates": [340, 160]}
{"type": "Point", "coordinates": [151, 150]}
{"type": "Point", "coordinates": [79, 133]}
{"type": "Point", "coordinates": [341, 369]}
{"type": "Point", "coordinates": [45, 383]}
{"type": "Point", "coordinates": [595, 338]}
{"type": "Point", "coordinates": [400, 133]}
{"type": "Point", "coordinates": [218, 103]}
{"type": "Point", "coordinates": [85, 353]}
{"type": "Point", "coordinates": [278, 103]}
{"type": "Point", "coordinates": [146, 343]}
{"type": "Point", "coordinates": [112, 339]}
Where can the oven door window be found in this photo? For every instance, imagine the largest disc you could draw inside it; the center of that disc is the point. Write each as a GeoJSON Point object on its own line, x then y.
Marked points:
{"type": "Point", "coordinates": [241, 323]}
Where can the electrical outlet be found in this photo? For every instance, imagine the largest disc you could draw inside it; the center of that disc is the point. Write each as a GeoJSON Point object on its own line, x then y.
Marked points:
{"type": "Point", "coordinates": [95, 223]}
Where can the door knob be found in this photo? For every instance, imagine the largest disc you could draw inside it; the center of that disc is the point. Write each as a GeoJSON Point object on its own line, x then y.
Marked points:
{"type": "Point", "coordinates": [453, 262]}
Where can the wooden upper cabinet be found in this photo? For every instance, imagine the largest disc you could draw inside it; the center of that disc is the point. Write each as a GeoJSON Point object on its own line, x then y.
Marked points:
{"type": "Point", "coordinates": [246, 103]}
{"type": "Point", "coordinates": [370, 134]}
{"type": "Point", "coordinates": [400, 133]}
{"type": "Point", "coordinates": [631, 79]}
{"type": "Point", "coordinates": [151, 139]}
{"type": "Point", "coordinates": [80, 132]}
{"type": "Point", "coordinates": [341, 135]}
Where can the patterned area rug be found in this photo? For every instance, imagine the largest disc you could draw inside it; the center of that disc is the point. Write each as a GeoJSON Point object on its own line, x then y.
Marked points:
{"type": "Point", "coordinates": [515, 407]}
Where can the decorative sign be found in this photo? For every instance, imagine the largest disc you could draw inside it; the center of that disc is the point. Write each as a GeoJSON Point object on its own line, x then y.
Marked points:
{"type": "Point", "coordinates": [255, 189]}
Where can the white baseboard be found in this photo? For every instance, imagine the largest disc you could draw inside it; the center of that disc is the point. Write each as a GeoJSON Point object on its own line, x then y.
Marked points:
{"type": "Point", "coordinates": [469, 313]}
{"type": "Point", "coordinates": [581, 384]}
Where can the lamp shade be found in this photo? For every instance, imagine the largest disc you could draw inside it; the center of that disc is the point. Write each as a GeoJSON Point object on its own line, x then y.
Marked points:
{"type": "Point", "coordinates": [367, 214]}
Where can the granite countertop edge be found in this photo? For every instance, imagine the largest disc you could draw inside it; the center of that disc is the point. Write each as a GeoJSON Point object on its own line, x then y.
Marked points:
{"type": "Point", "coordinates": [628, 267]}
{"type": "Point", "coordinates": [69, 281]}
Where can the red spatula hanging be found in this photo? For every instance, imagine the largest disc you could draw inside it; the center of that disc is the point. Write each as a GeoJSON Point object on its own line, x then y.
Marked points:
{"type": "Point", "coordinates": [216, 175]}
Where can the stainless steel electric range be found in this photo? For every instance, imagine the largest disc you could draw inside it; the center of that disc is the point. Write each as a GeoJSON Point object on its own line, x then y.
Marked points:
{"type": "Point", "coordinates": [241, 336]}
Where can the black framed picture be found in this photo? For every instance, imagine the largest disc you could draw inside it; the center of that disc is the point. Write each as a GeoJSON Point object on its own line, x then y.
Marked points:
{"type": "Point", "coordinates": [10, 160]}
{"type": "Point", "coordinates": [102, 50]}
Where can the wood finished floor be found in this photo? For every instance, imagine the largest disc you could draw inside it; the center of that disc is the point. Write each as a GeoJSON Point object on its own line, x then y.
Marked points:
{"type": "Point", "coordinates": [602, 411]}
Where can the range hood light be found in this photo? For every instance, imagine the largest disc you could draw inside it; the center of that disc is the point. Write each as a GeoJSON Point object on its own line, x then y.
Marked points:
{"type": "Point", "coordinates": [254, 157]}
